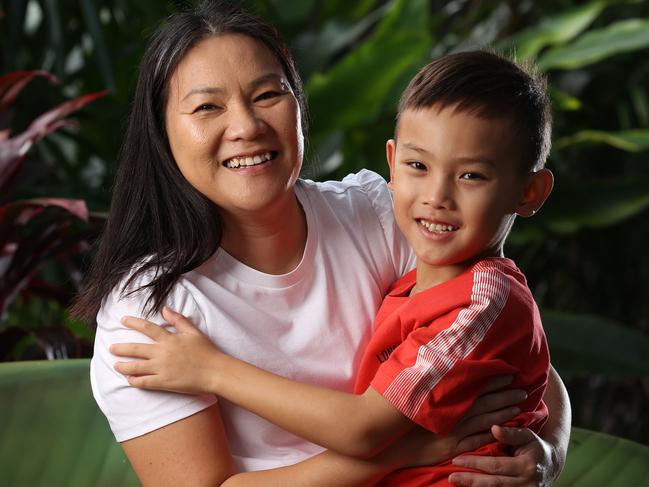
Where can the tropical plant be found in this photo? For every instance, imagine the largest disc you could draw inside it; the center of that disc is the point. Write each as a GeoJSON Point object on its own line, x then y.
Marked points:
{"type": "Point", "coordinates": [35, 230]}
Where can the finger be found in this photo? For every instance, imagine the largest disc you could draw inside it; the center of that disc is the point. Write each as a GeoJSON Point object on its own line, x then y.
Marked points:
{"type": "Point", "coordinates": [473, 442]}
{"type": "Point", "coordinates": [504, 466]}
{"type": "Point", "coordinates": [480, 480]}
{"type": "Point", "coordinates": [497, 383]}
{"type": "Point", "coordinates": [143, 382]}
{"type": "Point", "coordinates": [181, 322]}
{"type": "Point", "coordinates": [136, 368]}
{"type": "Point", "coordinates": [484, 421]}
{"type": "Point", "coordinates": [496, 400]}
{"type": "Point", "coordinates": [145, 327]}
{"type": "Point", "coordinates": [135, 350]}
{"type": "Point", "coordinates": [513, 436]}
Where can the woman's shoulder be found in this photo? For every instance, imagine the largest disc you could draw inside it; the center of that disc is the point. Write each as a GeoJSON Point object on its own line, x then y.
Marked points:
{"type": "Point", "coordinates": [133, 292]}
{"type": "Point", "coordinates": [356, 190]}
{"type": "Point", "coordinates": [365, 181]}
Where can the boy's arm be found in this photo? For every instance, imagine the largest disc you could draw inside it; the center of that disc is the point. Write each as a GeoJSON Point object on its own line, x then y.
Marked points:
{"type": "Point", "coordinates": [354, 425]}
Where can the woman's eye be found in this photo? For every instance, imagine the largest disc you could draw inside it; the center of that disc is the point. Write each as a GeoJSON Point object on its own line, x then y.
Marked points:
{"type": "Point", "coordinates": [417, 165]}
{"type": "Point", "coordinates": [204, 107]}
{"type": "Point", "coordinates": [267, 95]}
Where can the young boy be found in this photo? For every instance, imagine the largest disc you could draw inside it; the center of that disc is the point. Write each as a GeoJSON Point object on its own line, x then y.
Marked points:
{"type": "Point", "coordinates": [472, 136]}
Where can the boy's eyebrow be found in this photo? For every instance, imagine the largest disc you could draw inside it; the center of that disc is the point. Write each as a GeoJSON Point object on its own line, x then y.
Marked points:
{"type": "Point", "coordinates": [416, 148]}
{"type": "Point", "coordinates": [254, 84]}
{"type": "Point", "coordinates": [477, 160]}
{"type": "Point", "coordinates": [465, 159]}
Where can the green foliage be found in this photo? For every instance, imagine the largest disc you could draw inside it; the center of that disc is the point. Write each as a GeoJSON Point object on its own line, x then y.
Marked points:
{"type": "Point", "coordinates": [595, 459]}
{"type": "Point", "coordinates": [52, 431]}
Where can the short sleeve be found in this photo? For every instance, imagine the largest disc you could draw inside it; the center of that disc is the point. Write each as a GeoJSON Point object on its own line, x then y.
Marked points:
{"type": "Point", "coordinates": [132, 412]}
{"type": "Point", "coordinates": [438, 397]}
{"type": "Point", "coordinates": [378, 193]}
{"type": "Point", "coordinates": [436, 372]}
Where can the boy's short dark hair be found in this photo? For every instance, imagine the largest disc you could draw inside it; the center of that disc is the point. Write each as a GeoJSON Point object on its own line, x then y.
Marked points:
{"type": "Point", "coordinates": [490, 86]}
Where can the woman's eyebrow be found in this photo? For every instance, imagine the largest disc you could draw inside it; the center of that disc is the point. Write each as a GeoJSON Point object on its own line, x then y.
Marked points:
{"type": "Point", "coordinates": [209, 90]}
{"type": "Point", "coordinates": [266, 78]}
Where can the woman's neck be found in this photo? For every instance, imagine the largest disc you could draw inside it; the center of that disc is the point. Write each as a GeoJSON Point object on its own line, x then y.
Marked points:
{"type": "Point", "coordinates": [271, 241]}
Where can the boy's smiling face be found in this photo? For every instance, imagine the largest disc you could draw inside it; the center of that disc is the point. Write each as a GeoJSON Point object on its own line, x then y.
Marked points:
{"type": "Point", "coordinates": [458, 184]}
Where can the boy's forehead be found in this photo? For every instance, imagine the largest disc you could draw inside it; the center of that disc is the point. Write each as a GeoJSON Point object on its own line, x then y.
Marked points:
{"type": "Point", "coordinates": [445, 131]}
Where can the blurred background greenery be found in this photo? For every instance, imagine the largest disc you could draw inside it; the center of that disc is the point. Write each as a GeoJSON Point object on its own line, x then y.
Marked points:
{"type": "Point", "coordinates": [585, 254]}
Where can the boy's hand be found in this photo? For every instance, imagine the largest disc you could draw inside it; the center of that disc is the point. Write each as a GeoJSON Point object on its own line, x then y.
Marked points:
{"type": "Point", "coordinates": [177, 362]}
{"type": "Point", "coordinates": [524, 469]}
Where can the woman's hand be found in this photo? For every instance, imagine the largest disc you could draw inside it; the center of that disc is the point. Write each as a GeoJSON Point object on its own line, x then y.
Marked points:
{"type": "Point", "coordinates": [532, 464]}
{"type": "Point", "coordinates": [420, 447]}
{"type": "Point", "coordinates": [178, 362]}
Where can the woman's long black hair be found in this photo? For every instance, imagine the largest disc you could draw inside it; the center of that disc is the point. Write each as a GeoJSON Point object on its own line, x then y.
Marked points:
{"type": "Point", "coordinates": [158, 222]}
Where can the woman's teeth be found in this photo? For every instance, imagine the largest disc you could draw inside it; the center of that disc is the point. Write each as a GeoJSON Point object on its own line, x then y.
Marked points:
{"type": "Point", "coordinates": [248, 161]}
{"type": "Point", "coordinates": [437, 227]}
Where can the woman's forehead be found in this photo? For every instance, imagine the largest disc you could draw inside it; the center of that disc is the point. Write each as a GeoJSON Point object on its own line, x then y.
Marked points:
{"type": "Point", "coordinates": [227, 58]}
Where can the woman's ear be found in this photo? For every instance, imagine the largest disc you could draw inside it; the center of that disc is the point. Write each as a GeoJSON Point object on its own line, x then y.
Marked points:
{"type": "Point", "coordinates": [390, 150]}
{"type": "Point", "coordinates": [537, 189]}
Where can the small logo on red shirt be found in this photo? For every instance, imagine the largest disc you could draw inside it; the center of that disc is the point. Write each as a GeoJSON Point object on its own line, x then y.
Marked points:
{"type": "Point", "coordinates": [385, 354]}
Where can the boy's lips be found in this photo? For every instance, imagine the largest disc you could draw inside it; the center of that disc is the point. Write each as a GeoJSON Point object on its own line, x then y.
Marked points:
{"type": "Point", "coordinates": [437, 226]}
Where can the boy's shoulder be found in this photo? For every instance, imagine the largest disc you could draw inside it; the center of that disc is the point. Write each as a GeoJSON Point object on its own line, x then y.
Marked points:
{"type": "Point", "coordinates": [498, 266]}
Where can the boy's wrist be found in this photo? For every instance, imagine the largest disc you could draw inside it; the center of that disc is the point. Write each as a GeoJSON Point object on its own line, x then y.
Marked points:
{"type": "Point", "coordinates": [216, 373]}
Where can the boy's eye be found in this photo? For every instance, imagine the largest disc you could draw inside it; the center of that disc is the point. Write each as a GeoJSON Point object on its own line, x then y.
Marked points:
{"type": "Point", "coordinates": [417, 165]}
{"type": "Point", "coordinates": [472, 176]}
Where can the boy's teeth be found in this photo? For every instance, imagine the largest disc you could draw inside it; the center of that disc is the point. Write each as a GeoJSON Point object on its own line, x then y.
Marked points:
{"type": "Point", "coordinates": [248, 161]}
{"type": "Point", "coordinates": [436, 227]}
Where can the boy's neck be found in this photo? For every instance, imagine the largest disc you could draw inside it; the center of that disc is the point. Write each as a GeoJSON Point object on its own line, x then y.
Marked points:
{"type": "Point", "coordinates": [430, 275]}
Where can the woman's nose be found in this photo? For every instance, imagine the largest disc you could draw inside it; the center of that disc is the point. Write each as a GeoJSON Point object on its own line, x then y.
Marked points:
{"type": "Point", "coordinates": [244, 123]}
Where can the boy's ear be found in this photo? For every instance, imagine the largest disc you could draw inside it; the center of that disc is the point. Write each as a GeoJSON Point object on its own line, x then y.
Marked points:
{"type": "Point", "coordinates": [390, 150]}
{"type": "Point", "coordinates": [537, 188]}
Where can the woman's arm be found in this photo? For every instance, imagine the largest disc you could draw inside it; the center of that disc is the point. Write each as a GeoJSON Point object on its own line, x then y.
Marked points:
{"type": "Point", "coordinates": [538, 459]}
{"type": "Point", "coordinates": [194, 452]}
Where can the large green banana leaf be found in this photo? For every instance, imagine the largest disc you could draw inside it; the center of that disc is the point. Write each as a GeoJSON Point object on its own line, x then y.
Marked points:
{"type": "Point", "coordinates": [600, 460]}
{"type": "Point", "coordinates": [52, 433]}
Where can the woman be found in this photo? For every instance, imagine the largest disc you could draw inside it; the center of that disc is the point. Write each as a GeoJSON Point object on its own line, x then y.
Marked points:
{"type": "Point", "coordinates": [208, 216]}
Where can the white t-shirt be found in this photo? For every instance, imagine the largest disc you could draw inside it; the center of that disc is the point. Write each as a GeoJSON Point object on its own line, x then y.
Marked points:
{"type": "Point", "coordinates": [310, 325]}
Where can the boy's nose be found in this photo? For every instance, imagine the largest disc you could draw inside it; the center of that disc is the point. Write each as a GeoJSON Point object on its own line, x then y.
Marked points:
{"type": "Point", "coordinates": [244, 123]}
{"type": "Point", "coordinates": [439, 195]}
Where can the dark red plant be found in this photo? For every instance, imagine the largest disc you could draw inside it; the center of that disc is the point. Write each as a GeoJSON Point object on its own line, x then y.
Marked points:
{"type": "Point", "coordinates": [33, 230]}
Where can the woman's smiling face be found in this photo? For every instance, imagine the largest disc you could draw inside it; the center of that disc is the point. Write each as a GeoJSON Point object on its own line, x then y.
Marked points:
{"type": "Point", "coordinates": [234, 124]}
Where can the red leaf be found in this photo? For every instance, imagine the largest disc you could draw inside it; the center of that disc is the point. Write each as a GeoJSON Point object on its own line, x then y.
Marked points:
{"type": "Point", "coordinates": [18, 213]}
{"type": "Point", "coordinates": [12, 83]}
{"type": "Point", "coordinates": [13, 150]}
{"type": "Point", "coordinates": [77, 207]}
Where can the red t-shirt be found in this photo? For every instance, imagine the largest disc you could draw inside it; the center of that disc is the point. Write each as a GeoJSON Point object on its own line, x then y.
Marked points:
{"type": "Point", "coordinates": [431, 354]}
